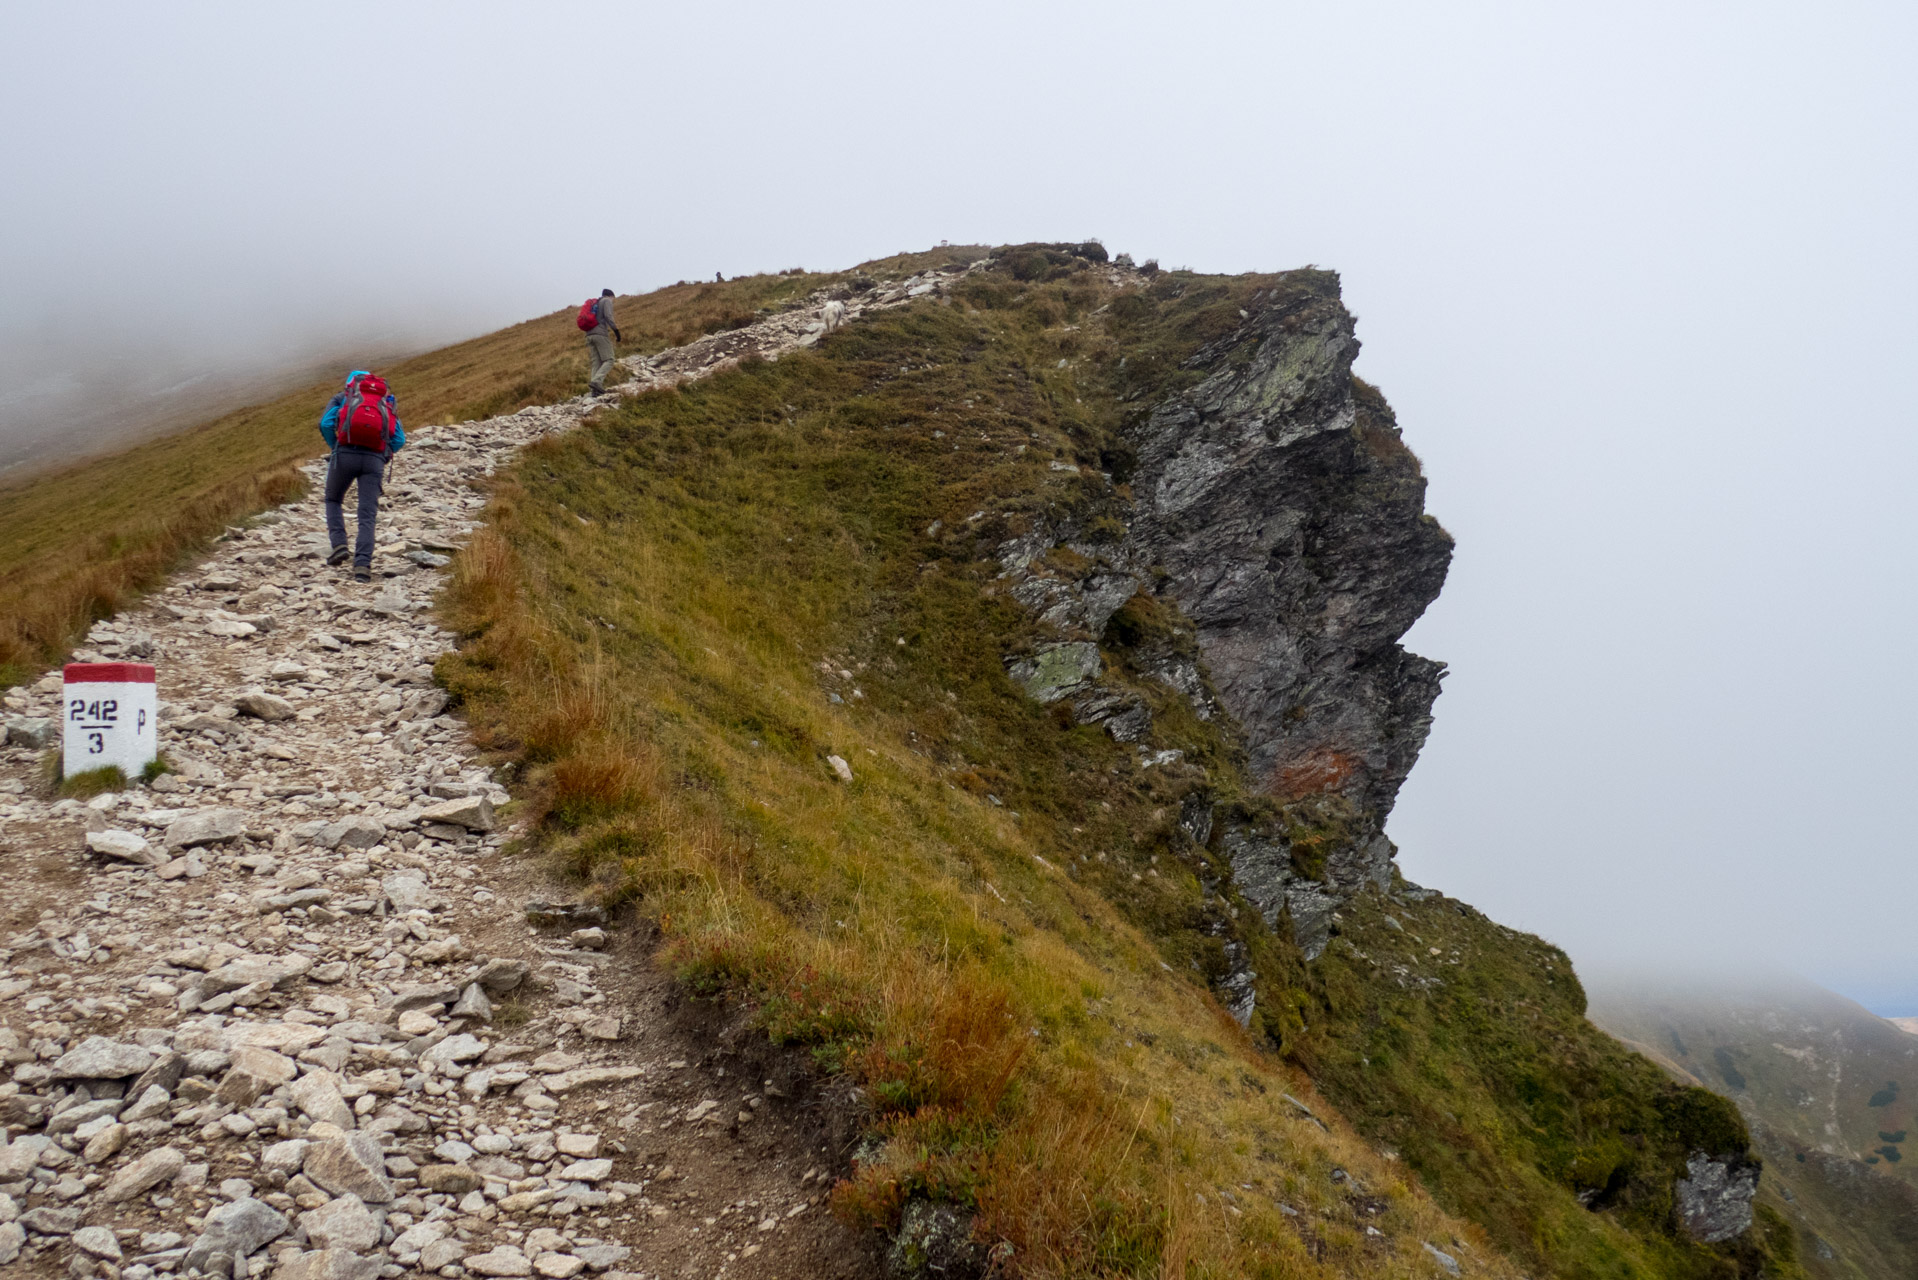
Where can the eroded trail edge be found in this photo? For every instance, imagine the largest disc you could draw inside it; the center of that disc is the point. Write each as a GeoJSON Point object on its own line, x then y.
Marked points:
{"type": "Point", "coordinates": [286, 1010]}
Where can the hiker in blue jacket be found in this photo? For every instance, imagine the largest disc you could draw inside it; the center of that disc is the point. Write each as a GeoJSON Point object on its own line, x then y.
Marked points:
{"type": "Point", "coordinates": [361, 425]}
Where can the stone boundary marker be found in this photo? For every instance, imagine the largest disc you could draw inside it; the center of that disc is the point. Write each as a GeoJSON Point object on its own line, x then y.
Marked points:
{"type": "Point", "coordinates": [109, 714]}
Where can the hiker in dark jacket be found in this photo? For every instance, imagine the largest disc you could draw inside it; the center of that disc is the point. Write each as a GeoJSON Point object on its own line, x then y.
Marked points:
{"type": "Point", "coordinates": [600, 339]}
{"type": "Point", "coordinates": [361, 425]}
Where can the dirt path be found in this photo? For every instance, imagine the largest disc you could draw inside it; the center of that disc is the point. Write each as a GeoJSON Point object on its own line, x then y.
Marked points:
{"type": "Point", "coordinates": [296, 1018]}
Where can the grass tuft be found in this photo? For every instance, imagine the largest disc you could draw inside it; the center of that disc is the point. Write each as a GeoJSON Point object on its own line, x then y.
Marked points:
{"type": "Point", "coordinates": [93, 782]}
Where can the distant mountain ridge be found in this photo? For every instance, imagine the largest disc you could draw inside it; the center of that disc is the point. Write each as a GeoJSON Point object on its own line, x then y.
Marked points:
{"type": "Point", "coordinates": [1829, 1090]}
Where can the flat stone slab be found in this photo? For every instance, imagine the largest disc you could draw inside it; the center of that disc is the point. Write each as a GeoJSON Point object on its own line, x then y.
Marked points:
{"type": "Point", "coordinates": [328, 1264]}
{"type": "Point", "coordinates": [475, 813]}
{"type": "Point", "coordinates": [503, 1261]}
{"type": "Point", "coordinates": [566, 1081]}
{"type": "Point", "coordinates": [209, 826]}
{"type": "Point", "coordinates": [275, 971]}
{"type": "Point", "coordinates": [144, 1174]}
{"type": "Point", "coordinates": [125, 846]}
{"type": "Point", "coordinates": [98, 1058]}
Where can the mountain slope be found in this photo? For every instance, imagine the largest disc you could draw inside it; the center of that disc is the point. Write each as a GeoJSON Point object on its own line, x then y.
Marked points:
{"type": "Point", "coordinates": [1828, 1088]}
{"type": "Point", "coordinates": [869, 673]}
{"type": "Point", "coordinates": [77, 543]}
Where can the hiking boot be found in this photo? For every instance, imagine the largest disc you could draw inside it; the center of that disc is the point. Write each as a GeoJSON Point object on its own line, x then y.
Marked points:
{"type": "Point", "coordinates": [595, 391]}
{"type": "Point", "coordinates": [362, 575]}
{"type": "Point", "coordinates": [339, 556]}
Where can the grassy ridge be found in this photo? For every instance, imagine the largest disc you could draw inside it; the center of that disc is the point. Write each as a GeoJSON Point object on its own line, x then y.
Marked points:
{"type": "Point", "coordinates": [682, 611]}
{"type": "Point", "coordinates": [76, 544]}
{"type": "Point", "coordinates": [670, 603]}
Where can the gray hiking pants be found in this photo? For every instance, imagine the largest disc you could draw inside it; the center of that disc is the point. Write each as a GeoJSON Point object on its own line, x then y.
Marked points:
{"type": "Point", "coordinates": [369, 469]}
{"type": "Point", "coordinates": [601, 345]}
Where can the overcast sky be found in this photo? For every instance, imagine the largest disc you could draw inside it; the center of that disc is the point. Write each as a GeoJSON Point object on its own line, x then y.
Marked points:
{"type": "Point", "coordinates": [1639, 280]}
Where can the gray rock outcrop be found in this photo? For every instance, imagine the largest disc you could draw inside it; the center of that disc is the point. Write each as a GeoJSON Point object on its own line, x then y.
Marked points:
{"type": "Point", "coordinates": [1715, 1198]}
{"type": "Point", "coordinates": [35, 733]}
{"type": "Point", "coordinates": [1290, 521]}
{"type": "Point", "coordinates": [1274, 504]}
{"type": "Point", "coordinates": [934, 1242]}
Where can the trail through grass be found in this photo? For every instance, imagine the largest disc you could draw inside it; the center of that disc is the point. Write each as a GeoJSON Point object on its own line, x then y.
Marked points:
{"type": "Point", "coordinates": [78, 543]}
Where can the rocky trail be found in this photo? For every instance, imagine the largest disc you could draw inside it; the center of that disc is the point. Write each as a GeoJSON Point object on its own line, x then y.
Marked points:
{"type": "Point", "coordinates": [294, 1010]}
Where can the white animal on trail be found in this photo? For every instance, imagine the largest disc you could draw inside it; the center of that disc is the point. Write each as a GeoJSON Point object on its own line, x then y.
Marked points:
{"type": "Point", "coordinates": [834, 314]}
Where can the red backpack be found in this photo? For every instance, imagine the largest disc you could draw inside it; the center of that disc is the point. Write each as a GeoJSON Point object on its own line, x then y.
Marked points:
{"type": "Point", "coordinates": [366, 420]}
{"type": "Point", "coordinates": [589, 315]}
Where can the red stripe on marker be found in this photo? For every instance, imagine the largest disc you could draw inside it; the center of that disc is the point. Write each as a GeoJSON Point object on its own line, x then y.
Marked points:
{"type": "Point", "coordinates": [108, 673]}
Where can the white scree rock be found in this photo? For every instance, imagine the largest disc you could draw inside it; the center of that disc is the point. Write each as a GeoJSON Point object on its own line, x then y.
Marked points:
{"type": "Point", "coordinates": [98, 1058]}
{"type": "Point", "coordinates": [125, 846]}
{"type": "Point", "coordinates": [144, 1174]}
{"type": "Point", "coordinates": [210, 826]}
{"type": "Point", "coordinates": [342, 1223]}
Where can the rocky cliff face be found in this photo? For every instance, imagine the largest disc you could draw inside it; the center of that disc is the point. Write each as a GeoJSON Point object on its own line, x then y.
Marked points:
{"type": "Point", "coordinates": [1289, 519]}
{"type": "Point", "coordinates": [1275, 505]}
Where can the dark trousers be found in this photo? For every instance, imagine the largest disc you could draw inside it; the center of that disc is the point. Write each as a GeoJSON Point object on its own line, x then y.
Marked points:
{"type": "Point", "coordinates": [369, 469]}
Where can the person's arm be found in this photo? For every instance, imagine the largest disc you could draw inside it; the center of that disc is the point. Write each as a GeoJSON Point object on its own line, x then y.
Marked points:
{"type": "Point", "coordinates": [606, 314]}
{"type": "Point", "coordinates": [399, 432]}
{"type": "Point", "coordinates": [330, 420]}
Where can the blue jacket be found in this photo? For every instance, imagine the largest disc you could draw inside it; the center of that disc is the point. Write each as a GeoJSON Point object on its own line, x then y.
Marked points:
{"type": "Point", "coordinates": [330, 420]}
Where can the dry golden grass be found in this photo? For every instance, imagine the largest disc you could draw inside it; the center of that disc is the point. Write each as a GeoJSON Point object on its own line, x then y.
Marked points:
{"type": "Point", "coordinates": [1150, 1139]}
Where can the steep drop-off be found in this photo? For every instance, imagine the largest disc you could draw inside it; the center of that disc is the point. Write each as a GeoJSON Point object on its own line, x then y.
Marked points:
{"type": "Point", "coordinates": [1004, 698]}
{"type": "Point", "coordinates": [1289, 518]}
